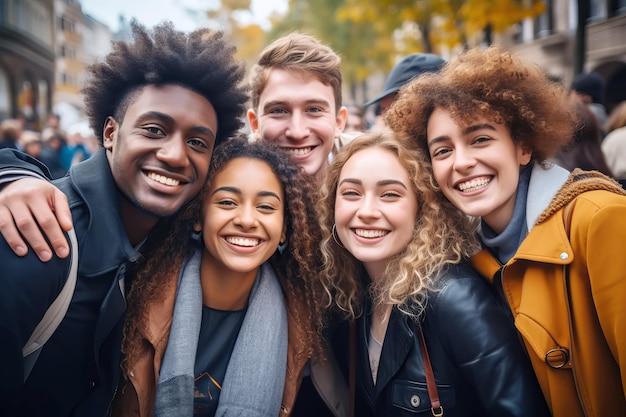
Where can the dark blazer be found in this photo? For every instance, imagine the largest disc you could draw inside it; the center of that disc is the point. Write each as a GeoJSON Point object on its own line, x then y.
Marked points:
{"type": "Point", "coordinates": [78, 369]}
{"type": "Point", "coordinates": [477, 359]}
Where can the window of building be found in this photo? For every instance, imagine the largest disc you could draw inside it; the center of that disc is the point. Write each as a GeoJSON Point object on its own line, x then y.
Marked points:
{"type": "Point", "coordinates": [31, 16]}
{"type": "Point", "coordinates": [543, 23]}
{"type": "Point", "coordinates": [66, 25]}
{"type": "Point", "coordinates": [597, 10]}
{"type": "Point", "coordinates": [5, 95]}
{"type": "Point", "coordinates": [617, 7]}
{"type": "Point", "coordinates": [42, 100]}
{"type": "Point", "coordinates": [25, 100]}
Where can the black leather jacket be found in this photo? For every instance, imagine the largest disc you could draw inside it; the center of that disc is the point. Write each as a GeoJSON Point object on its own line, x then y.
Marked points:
{"type": "Point", "coordinates": [478, 362]}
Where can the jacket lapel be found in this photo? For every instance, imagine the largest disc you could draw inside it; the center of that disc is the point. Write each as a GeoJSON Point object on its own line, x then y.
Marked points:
{"type": "Point", "coordinates": [397, 344]}
{"type": "Point", "coordinates": [396, 347]}
{"type": "Point", "coordinates": [363, 370]}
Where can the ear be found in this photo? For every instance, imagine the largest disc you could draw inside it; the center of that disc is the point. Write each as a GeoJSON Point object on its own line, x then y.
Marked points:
{"type": "Point", "coordinates": [341, 120]}
{"type": "Point", "coordinates": [523, 154]}
{"type": "Point", "coordinates": [197, 227]}
{"type": "Point", "coordinates": [283, 236]}
{"type": "Point", "coordinates": [109, 133]}
{"type": "Point", "coordinates": [253, 121]}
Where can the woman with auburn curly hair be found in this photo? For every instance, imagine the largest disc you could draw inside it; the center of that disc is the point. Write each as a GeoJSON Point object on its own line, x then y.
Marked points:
{"type": "Point", "coordinates": [394, 251]}
{"type": "Point", "coordinates": [207, 325]}
{"type": "Point", "coordinates": [553, 241]}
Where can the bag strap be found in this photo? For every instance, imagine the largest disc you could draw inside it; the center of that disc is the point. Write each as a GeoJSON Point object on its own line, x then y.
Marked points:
{"type": "Point", "coordinates": [435, 405]}
{"type": "Point", "coordinates": [55, 313]}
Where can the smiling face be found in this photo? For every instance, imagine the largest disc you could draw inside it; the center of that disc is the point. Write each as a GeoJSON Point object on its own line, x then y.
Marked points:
{"type": "Point", "coordinates": [375, 209]}
{"type": "Point", "coordinates": [243, 220]}
{"type": "Point", "coordinates": [298, 113]}
{"type": "Point", "coordinates": [477, 167]}
{"type": "Point", "coordinates": [160, 153]}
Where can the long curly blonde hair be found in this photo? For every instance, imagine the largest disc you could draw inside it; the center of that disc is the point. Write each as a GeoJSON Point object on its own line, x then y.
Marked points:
{"type": "Point", "coordinates": [442, 236]}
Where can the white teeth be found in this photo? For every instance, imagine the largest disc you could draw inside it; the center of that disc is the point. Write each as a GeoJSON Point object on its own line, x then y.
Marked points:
{"type": "Point", "coordinates": [298, 151]}
{"type": "Point", "coordinates": [240, 241]}
{"type": "Point", "coordinates": [162, 179]}
{"type": "Point", "coordinates": [473, 185]}
{"type": "Point", "coordinates": [370, 233]}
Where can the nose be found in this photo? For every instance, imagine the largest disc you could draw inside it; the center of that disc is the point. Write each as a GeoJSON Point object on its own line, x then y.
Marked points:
{"type": "Point", "coordinates": [246, 217]}
{"type": "Point", "coordinates": [174, 151]}
{"type": "Point", "coordinates": [463, 159]}
{"type": "Point", "coordinates": [297, 128]}
{"type": "Point", "coordinates": [369, 208]}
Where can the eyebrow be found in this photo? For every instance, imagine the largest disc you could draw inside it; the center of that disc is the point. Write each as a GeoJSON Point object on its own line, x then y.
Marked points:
{"type": "Point", "coordinates": [236, 190]}
{"type": "Point", "coordinates": [268, 194]}
{"type": "Point", "coordinates": [156, 115]}
{"type": "Point", "coordinates": [465, 131]}
{"type": "Point", "coordinates": [378, 183]}
{"type": "Point", "coordinates": [166, 118]}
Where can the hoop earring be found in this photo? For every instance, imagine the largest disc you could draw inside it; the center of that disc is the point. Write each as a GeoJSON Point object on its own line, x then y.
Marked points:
{"type": "Point", "coordinates": [336, 236]}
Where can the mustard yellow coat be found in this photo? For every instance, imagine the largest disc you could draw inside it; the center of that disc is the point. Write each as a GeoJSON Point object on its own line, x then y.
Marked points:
{"type": "Point", "coordinates": [579, 360]}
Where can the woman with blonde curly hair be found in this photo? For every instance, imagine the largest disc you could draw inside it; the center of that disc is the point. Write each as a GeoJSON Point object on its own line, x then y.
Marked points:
{"type": "Point", "coordinates": [215, 320]}
{"type": "Point", "coordinates": [394, 251]}
{"type": "Point", "coordinates": [553, 241]}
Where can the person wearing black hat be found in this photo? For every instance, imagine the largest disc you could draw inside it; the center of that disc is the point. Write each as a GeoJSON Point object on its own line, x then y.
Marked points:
{"type": "Point", "coordinates": [590, 88]}
{"type": "Point", "coordinates": [405, 70]}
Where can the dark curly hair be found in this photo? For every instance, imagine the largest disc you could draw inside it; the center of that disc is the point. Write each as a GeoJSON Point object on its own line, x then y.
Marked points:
{"type": "Point", "coordinates": [202, 61]}
{"type": "Point", "coordinates": [492, 83]}
{"type": "Point", "coordinates": [297, 268]}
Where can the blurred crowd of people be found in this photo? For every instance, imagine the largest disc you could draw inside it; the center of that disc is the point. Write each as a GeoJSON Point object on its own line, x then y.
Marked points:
{"type": "Point", "coordinates": [59, 149]}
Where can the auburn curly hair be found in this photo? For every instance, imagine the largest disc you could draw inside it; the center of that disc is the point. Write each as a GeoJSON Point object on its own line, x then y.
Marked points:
{"type": "Point", "coordinates": [296, 268]}
{"type": "Point", "coordinates": [442, 235]}
{"type": "Point", "coordinates": [492, 83]}
{"type": "Point", "coordinates": [202, 61]}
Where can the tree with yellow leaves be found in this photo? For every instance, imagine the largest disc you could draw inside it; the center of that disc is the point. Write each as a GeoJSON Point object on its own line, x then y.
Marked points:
{"type": "Point", "coordinates": [444, 23]}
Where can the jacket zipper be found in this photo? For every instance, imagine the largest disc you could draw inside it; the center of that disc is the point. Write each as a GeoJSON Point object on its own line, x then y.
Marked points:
{"type": "Point", "coordinates": [110, 409]}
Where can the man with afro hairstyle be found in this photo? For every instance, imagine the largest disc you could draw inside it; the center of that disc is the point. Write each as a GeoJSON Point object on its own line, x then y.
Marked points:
{"type": "Point", "coordinates": [158, 106]}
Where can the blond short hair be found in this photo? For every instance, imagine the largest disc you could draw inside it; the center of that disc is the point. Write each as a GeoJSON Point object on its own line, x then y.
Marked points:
{"type": "Point", "coordinates": [299, 53]}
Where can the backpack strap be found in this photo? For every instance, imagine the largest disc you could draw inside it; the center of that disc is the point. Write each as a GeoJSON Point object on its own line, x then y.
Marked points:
{"type": "Point", "coordinates": [55, 313]}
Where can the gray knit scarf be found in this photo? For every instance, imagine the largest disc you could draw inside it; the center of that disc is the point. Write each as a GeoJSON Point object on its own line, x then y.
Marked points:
{"type": "Point", "coordinates": [255, 377]}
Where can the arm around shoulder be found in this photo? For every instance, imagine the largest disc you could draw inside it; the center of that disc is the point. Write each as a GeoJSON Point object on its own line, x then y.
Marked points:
{"type": "Point", "coordinates": [30, 205]}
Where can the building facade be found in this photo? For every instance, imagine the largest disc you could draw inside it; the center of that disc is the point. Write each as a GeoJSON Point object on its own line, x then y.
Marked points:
{"type": "Point", "coordinates": [551, 41]}
{"type": "Point", "coordinates": [26, 59]}
{"type": "Point", "coordinates": [80, 40]}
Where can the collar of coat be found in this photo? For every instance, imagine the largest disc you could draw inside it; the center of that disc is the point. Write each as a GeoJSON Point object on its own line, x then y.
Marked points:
{"type": "Point", "coordinates": [576, 183]}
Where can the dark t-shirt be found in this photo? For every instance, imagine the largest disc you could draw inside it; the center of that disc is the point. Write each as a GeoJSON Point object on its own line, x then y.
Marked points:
{"type": "Point", "coordinates": [218, 335]}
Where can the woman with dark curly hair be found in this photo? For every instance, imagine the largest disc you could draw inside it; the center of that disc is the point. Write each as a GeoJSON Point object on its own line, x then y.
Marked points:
{"type": "Point", "coordinates": [207, 325]}
{"type": "Point", "coordinates": [553, 241]}
{"type": "Point", "coordinates": [394, 251]}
